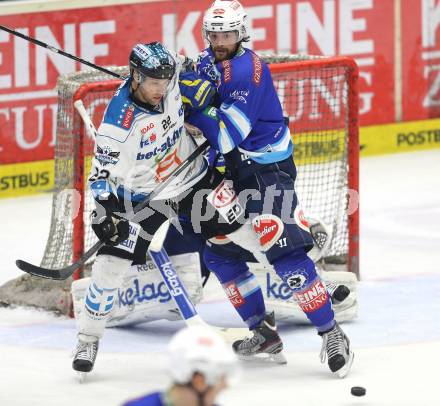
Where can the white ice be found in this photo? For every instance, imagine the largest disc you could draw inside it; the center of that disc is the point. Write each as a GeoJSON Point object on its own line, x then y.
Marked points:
{"type": "Point", "coordinates": [396, 337]}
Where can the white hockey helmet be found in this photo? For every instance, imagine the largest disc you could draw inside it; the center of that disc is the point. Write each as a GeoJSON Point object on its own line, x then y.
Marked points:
{"type": "Point", "coordinates": [226, 15]}
{"type": "Point", "coordinates": [199, 349]}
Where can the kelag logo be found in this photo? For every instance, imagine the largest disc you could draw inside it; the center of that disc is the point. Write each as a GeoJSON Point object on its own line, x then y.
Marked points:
{"type": "Point", "coordinates": [277, 290]}
{"type": "Point", "coordinates": [173, 280]}
{"type": "Point", "coordinates": [145, 293]}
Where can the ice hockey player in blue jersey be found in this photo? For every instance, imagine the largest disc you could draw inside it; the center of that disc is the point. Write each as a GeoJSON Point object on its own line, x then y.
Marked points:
{"type": "Point", "coordinates": [200, 363]}
{"type": "Point", "coordinates": [246, 125]}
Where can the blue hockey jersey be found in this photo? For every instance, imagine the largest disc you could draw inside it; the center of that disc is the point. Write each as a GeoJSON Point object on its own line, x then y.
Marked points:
{"type": "Point", "coordinates": [250, 116]}
{"type": "Point", "coordinates": [153, 399]}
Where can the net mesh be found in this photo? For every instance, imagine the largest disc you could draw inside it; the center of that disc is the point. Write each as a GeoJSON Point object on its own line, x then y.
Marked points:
{"type": "Point", "coordinates": [316, 104]}
{"type": "Point", "coordinates": [314, 98]}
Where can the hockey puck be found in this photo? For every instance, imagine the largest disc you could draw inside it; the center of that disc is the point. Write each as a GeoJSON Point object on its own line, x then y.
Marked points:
{"type": "Point", "coordinates": [358, 391]}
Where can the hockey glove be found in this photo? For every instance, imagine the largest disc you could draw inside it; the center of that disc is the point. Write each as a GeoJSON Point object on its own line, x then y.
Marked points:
{"type": "Point", "coordinates": [197, 93]}
{"type": "Point", "coordinates": [232, 172]}
{"type": "Point", "coordinates": [109, 228]}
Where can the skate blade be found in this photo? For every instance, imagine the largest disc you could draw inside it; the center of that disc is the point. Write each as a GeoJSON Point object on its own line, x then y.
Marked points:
{"type": "Point", "coordinates": [278, 358]}
{"type": "Point", "coordinates": [81, 376]}
{"type": "Point", "coordinates": [342, 373]}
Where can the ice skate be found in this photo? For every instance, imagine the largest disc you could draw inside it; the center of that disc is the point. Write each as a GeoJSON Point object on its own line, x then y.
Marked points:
{"type": "Point", "coordinates": [264, 344]}
{"type": "Point", "coordinates": [336, 346]}
{"type": "Point", "coordinates": [84, 357]}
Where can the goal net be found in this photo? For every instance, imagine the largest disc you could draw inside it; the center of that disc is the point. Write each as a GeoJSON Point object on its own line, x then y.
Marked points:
{"type": "Point", "coordinates": [318, 95]}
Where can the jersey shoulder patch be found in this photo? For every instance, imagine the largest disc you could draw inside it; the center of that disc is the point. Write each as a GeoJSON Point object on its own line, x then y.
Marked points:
{"type": "Point", "coordinates": [244, 68]}
{"type": "Point", "coordinates": [121, 109]}
{"type": "Point", "coordinates": [257, 68]}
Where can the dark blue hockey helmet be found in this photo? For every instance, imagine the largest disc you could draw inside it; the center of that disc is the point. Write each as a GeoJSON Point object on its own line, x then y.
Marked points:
{"type": "Point", "coordinates": [152, 60]}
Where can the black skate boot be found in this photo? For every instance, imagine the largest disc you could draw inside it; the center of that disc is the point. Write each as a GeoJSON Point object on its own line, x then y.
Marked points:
{"type": "Point", "coordinates": [84, 357]}
{"type": "Point", "coordinates": [336, 346]}
{"type": "Point", "coordinates": [265, 340]}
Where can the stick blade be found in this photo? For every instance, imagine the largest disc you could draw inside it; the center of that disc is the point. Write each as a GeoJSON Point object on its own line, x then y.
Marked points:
{"type": "Point", "coordinates": [55, 274]}
{"type": "Point", "coordinates": [62, 273]}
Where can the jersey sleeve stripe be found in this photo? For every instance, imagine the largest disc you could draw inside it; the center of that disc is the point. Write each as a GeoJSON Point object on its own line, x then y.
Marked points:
{"type": "Point", "coordinates": [225, 141]}
{"type": "Point", "coordinates": [238, 119]}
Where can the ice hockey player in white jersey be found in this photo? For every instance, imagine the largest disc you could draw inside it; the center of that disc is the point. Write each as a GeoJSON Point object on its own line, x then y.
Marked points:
{"type": "Point", "coordinates": [200, 363]}
{"type": "Point", "coordinates": [140, 141]}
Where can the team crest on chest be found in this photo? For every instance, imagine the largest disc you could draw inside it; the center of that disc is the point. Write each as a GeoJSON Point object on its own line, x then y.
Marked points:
{"type": "Point", "coordinates": [105, 155]}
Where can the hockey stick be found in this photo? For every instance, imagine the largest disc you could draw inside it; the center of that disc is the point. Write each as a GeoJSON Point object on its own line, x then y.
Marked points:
{"type": "Point", "coordinates": [64, 273]}
{"type": "Point", "coordinates": [79, 106]}
{"type": "Point", "coordinates": [59, 51]}
{"type": "Point", "coordinates": [178, 291]}
{"type": "Point", "coordinates": [174, 284]}
{"type": "Point", "coordinates": [163, 263]}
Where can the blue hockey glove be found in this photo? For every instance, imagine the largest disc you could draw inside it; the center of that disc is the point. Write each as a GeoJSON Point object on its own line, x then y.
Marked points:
{"type": "Point", "coordinates": [197, 93]}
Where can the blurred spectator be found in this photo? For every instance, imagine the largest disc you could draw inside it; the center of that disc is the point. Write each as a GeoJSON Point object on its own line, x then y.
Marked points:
{"type": "Point", "coordinates": [200, 363]}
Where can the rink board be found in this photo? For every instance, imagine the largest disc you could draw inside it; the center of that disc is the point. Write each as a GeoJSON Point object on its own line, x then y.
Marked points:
{"type": "Point", "coordinates": [38, 177]}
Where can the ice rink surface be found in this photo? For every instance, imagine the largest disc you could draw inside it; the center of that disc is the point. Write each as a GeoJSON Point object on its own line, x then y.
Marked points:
{"type": "Point", "coordinates": [396, 337]}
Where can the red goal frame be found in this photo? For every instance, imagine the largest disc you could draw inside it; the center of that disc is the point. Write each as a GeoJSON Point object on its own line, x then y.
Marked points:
{"type": "Point", "coordinates": [282, 67]}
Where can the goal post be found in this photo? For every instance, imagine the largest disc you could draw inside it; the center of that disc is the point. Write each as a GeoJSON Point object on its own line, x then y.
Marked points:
{"type": "Point", "coordinates": [319, 95]}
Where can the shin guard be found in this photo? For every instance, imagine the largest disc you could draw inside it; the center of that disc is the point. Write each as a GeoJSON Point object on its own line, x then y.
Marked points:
{"type": "Point", "coordinates": [298, 271]}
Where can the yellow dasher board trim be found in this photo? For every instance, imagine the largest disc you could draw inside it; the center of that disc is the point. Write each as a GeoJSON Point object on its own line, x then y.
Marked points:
{"type": "Point", "coordinates": [26, 178]}
{"type": "Point", "coordinates": [318, 147]}
{"type": "Point", "coordinates": [400, 137]}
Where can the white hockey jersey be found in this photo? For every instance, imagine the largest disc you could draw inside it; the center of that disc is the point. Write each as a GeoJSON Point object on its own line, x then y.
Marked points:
{"type": "Point", "coordinates": [136, 149]}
